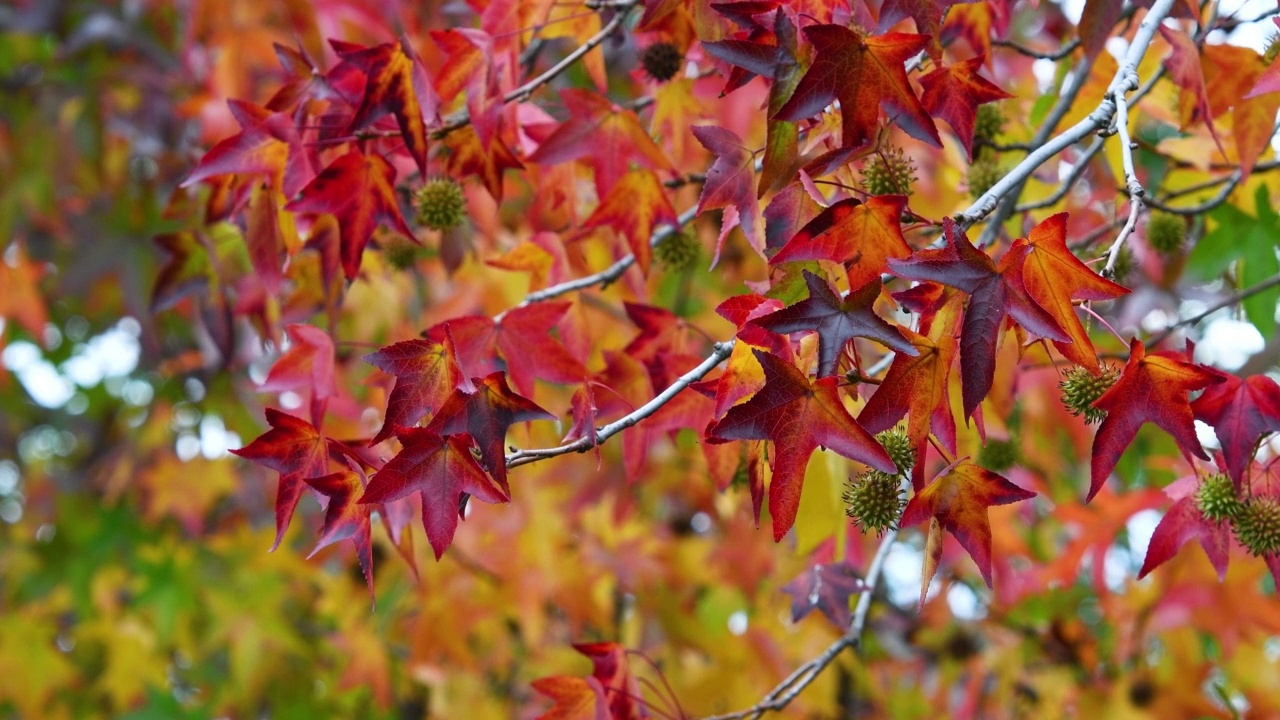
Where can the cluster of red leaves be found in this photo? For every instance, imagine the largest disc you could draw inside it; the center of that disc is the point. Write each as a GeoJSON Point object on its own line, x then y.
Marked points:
{"type": "Point", "coordinates": [377, 105]}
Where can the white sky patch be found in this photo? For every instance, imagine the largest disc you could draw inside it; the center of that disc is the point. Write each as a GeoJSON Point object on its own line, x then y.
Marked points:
{"type": "Point", "coordinates": [738, 622]}
{"type": "Point", "coordinates": [1228, 343]}
{"type": "Point", "coordinates": [902, 575]}
{"type": "Point", "coordinates": [965, 604]}
{"type": "Point", "coordinates": [1140, 528]}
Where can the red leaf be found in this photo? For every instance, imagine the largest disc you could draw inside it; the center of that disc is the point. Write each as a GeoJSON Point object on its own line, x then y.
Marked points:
{"type": "Point", "coordinates": [837, 321]}
{"type": "Point", "coordinates": [396, 85]}
{"type": "Point", "coordinates": [730, 184]}
{"type": "Point", "coordinates": [523, 336]}
{"type": "Point", "coordinates": [1240, 411]}
{"type": "Point", "coordinates": [1184, 522]}
{"type": "Point", "coordinates": [268, 144]}
{"type": "Point", "coordinates": [1184, 68]}
{"type": "Point", "coordinates": [485, 415]}
{"type": "Point", "coordinates": [359, 191]}
{"type": "Point", "coordinates": [1053, 277]}
{"type": "Point", "coordinates": [927, 15]}
{"type": "Point", "coordinates": [294, 448]}
{"type": "Point", "coordinates": [575, 698]}
{"type": "Point", "coordinates": [826, 588]}
{"type": "Point", "coordinates": [443, 471]}
{"type": "Point", "coordinates": [307, 365]}
{"type": "Point", "coordinates": [426, 374]}
{"type": "Point", "coordinates": [595, 123]}
{"type": "Point", "coordinates": [954, 93]}
{"type": "Point", "coordinates": [864, 75]}
{"type": "Point", "coordinates": [798, 416]}
{"type": "Point", "coordinates": [633, 208]}
{"type": "Point", "coordinates": [991, 300]}
{"type": "Point", "coordinates": [345, 519]}
{"type": "Point", "coordinates": [861, 236]}
{"type": "Point", "coordinates": [959, 499]}
{"type": "Point", "coordinates": [1152, 388]}
{"type": "Point", "coordinates": [609, 666]}
{"type": "Point", "coordinates": [1097, 20]}
{"type": "Point", "coordinates": [916, 386]}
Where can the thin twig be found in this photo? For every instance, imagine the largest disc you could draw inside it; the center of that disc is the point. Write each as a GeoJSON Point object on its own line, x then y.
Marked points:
{"type": "Point", "coordinates": [1132, 184]}
{"type": "Point", "coordinates": [797, 681]}
{"type": "Point", "coordinates": [1226, 302]}
{"type": "Point", "coordinates": [1058, 54]}
{"type": "Point", "coordinates": [1077, 172]}
{"type": "Point", "coordinates": [718, 355]}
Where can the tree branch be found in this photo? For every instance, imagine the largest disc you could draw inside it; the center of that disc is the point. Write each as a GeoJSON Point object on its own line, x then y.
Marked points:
{"type": "Point", "coordinates": [1226, 302]}
{"type": "Point", "coordinates": [1136, 191]}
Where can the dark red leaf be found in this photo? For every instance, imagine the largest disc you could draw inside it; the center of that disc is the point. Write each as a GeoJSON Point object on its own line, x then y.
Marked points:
{"type": "Point", "coordinates": [1240, 412]}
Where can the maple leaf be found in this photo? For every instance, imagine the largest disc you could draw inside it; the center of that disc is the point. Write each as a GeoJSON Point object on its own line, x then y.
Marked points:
{"type": "Point", "coordinates": [1182, 523]}
{"type": "Point", "coordinates": [1184, 68]}
{"type": "Point", "coordinates": [1053, 277]}
{"type": "Point", "coordinates": [294, 448]}
{"type": "Point", "coordinates": [468, 155]}
{"type": "Point", "coordinates": [594, 123]}
{"type": "Point", "coordinates": [959, 499]}
{"type": "Point", "coordinates": [443, 471]}
{"type": "Point", "coordinates": [267, 144]}
{"type": "Point", "coordinates": [798, 416]}
{"type": "Point", "coordinates": [991, 299]}
{"type": "Point", "coordinates": [633, 208]}
{"type": "Point", "coordinates": [1152, 388]}
{"type": "Point", "coordinates": [1230, 73]}
{"type": "Point", "coordinates": [396, 85]}
{"type": "Point", "coordinates": [1097, 20]}
{"type": "Point", "coordinates": [865, 75]}
{"type": "Point", "coordinates": [826, 588]}
{"type": "Point", "coordinates": [426, 374]}
{"type": "Point", "coordinates": [916, 386]}
{"type": "Point", "coordinates": [21, 300]}
{"type": "Point", "coordinates": [345, 519]}
{"type": "Point", "coordinates": [837, 321]}
{"type": "Point", "coordinates": [358, 190]}
{"type": "Point", "coordinates": [1240, 412]}
{"type": "Point", "coordinates": [307, 365]}
{"type": "Point", "coordinates": [610, 668]}
{"type": "Point", "coordinates": [485, 415]}
{"type": "Point", "coordinates": [954, 92]}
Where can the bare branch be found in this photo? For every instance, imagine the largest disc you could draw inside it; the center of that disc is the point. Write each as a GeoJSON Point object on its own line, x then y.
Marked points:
{"type": "Point", "coordinates": [1058, 54]}
{"type": "Point", "coordinates": [1135, 189]}
{"type": "Point", "coordinates": [1226, 302]}
{"type": "Point", "coordinates": [1077, 172]}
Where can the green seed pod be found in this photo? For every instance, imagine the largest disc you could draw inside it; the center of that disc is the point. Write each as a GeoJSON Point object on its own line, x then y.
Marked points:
{"type": "Point", "coordinates": [1081, 388]}
{"type": "Point", "coordinates": [402, 254]}
{"type": "Point", "coordinates": [898, 445]}
{"type": "Point", "coordinates": [1166, 232]}
{"type": "Point", "coordinates": [678, 250]}
{"type": "Point", "coordinates": [998, 455]}
{"type": "Point", "coordinates": [440, 204]}
{"type": "Point", "coordinates": [889, 172]}
{"type": "Point", "coordinates": [1258, 525]}
{"type": "Point", "coordinates": [1216, 497]}
{"type": "Point", "coordinates": [875, 501]}
{"type": "Point", "coordinates": [989, 122]}
{"type": "Point", "coordinates": [983, 174]}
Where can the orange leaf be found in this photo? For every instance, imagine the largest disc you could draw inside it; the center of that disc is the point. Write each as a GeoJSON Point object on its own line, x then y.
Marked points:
{"type": "Point", "coordinates": [633, 207]}
{"type": "Point", "coordinates": [395, 84]}
{"type": "Point", "coordinates": [863, 236]}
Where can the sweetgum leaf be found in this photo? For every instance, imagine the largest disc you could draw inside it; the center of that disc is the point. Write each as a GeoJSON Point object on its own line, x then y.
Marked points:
{"type": "Point", "coordinates": [396, 84]}
{"type": "Point", "coordinates": [1182, 523]}
{"type": "Point", "coordinates": [992, 298]}
{"type": "Point", "coordinates": [426, 374]}
{"type": "Point", "coordinates": [633, 208]}
{"type": "Point", "coordinates": [837, 321]}
{"type": "Point", "coordinates": [826, 588]}
{"type": "Point", "coordinates": [1153, 388]}
{"type": "Point", "coordinates": [610, 668]}
{"type": "Point", "coordinates": [1240, 412]}
{"type": "Point", "coordinates": [730, 183]}
{"type": "Point", "coordinates": [294, 448]}
{"type": "Point", "coordinates": [575, 698]}
{"type": "Point", "coordinates": [268, 144]}
{"type": "Point", "coordinates": [345, 519]}
{"type": "Point", "coordinates": [485, 415]}
{"type": "Point", "coordinates": [358, 189]}
{"type": "Point", "coordinates": [443, 471]}
{"type": "Point", "coordinates": [954, 92]}
{"type": "Point", "coordinates": [1053, 277]}
{"type": "Point", "coordinates": [1184, 69]}
{"type": "Point", "coordinates": [864, 75]}
{"type": "Point", "coordinates": [862, 236]}
{"type": "Point", "coordinates": [927, 15]}
{"type": "Point", "coordinates": [958, 499]}
{"type": "Point", "coordinates": [798, 416]}
{"type": "Point", "coordinates": [308, 364]}
{"type": "Point", "coordinates": [916, 386]}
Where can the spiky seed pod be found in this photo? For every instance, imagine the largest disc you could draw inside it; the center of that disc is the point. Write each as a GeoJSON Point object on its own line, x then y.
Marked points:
{"type": "Point", "coordinates": [983, 173]}
{"type": "Point", "coordinates": [1273, 49]}
{"type": "Point", "coordinates": [661, 61]}
{"type": "Point", "coordinates": [402, 254]}
{"type": "Point", "coordinates": [889, 172]}
{"type": "Point", "coordinates": [1081, 388]}
{"type": "Point", "coordinates": [440, 204]}
{"type": "Point", "coordinates": [1216, 497]}
{"type": "Point", "coordinates": [1166, 232]}
{"type": "Point", "coordinates": [998, 455]}
{"type": "Point", "coordinates": [898, 445]}
{"type": "Point", "coordinates": [1124, 264]}
{"type": "Point", "coordinates": [989, 122]}
{"type": "Point", "coordinates": [874, 500]}
{"type": "Point", "coordinates": [1258, 525]}
{"type": "Point", "coordinates": [678, 250]}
